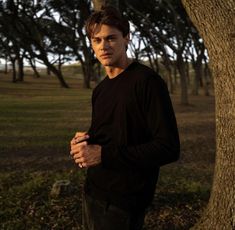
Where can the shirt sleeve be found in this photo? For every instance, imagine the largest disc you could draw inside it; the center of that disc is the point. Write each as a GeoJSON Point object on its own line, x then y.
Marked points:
{"type": "Point", "coordinates": [164, 145]}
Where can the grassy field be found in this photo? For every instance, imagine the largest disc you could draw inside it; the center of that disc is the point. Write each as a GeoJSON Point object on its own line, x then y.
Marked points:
{"type": "Point", "coordinates": [37, 121]}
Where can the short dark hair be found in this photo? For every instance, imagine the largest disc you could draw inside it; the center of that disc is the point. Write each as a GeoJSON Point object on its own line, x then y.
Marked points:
{"type": "Point", "coordinates": [110, 16]}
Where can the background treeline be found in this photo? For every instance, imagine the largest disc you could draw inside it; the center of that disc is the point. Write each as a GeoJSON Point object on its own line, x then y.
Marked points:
{"type": "Point", "coordinates": [52, 32]}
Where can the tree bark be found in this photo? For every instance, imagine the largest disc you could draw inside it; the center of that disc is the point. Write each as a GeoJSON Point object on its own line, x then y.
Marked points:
{"type": "Point", "coordinates": [215, 21]}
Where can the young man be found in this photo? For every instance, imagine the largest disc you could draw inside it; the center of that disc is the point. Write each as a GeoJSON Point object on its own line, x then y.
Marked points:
{"type": "Point", "coordinates": [133, 131]}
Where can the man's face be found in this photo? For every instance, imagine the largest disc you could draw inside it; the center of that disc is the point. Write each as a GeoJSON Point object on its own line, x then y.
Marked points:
{"type": "Point", "coordinates": [109, 45]}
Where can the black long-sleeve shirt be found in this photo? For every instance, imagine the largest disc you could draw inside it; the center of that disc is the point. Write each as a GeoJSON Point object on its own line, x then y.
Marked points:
{"type": "Point", "coordinates": [134, 122]}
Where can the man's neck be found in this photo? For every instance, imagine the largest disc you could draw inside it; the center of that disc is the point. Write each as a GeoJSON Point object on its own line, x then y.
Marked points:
{"type": "Point", "coordinates": [113, 71]}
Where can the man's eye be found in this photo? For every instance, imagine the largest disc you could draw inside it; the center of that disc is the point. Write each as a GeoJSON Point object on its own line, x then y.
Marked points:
{"type": "Point", "coordinates": [111, 39]}
{"type": "Point", "coordinates": [95, 40]}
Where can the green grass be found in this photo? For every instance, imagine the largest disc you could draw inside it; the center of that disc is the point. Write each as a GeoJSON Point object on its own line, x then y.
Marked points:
{"type": "Point", "coordinates": [31, 114]}
{"type": "Point", "coordinates": [37, 120]}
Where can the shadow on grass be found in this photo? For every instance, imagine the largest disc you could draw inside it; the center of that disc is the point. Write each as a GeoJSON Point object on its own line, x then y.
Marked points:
{"type": "Point", "coordinates": [175, 211]}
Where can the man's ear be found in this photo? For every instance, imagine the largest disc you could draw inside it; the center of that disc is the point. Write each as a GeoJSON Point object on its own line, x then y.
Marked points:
{"type": "Point", "coordinates": [127, 38]}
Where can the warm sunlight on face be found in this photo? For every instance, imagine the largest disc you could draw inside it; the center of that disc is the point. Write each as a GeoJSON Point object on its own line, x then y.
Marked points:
{"type": "Point", "coordinates": [109, 45]}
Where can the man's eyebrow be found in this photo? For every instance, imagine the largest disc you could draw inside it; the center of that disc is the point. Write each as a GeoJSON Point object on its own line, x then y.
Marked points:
{"type": "Point", "coordinates": [108, 36]}
{"type": "Point", "coordinates": [112, 35]}
{"type": "Point", "coordinates": [95, 37]}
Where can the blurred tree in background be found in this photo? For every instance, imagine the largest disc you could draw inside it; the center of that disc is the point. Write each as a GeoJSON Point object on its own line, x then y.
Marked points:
{"type": "Point", "coordinates": [163, 36]}
{"type": "Point", "coordinates": [52, 32]}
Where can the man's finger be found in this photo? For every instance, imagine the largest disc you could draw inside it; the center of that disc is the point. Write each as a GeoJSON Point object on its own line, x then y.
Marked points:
{"type": "Point", "coordinates": [73, 141]}
{"type": "Point", "coordinates": [80, 139]}
{"type": "Point", "coordinates": [80, 134]}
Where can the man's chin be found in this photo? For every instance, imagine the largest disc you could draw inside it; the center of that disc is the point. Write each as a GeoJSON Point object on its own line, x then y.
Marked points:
{"type": "Point", "coordinates": [106, 63]}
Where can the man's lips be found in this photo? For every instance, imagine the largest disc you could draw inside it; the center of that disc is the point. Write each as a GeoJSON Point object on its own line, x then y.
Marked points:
{"type": "Point", "coordinates": [105, 55]}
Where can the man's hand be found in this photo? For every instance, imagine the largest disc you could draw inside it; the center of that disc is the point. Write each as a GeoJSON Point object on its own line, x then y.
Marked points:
{"type": "Point", "coordinates": [79, 137]}
{"type": "Point", "coordinates": [84, 155]}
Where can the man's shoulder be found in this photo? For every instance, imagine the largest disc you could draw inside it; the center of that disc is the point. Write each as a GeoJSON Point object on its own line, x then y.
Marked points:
{"type": "Point", "coordinates": [138, 66]}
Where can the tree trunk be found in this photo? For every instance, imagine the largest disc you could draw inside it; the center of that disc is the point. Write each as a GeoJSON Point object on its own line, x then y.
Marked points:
{"type": "Point", "coordinates": [214, 20]}
{"type": "Point", "coordinates": [59, 76]}
{"type": "Point", "coordinates": [186, 63]}
{"type": "Point", "coordinates": [175, 73]}
{"type": "Point", "coordinates": [197, 76]}
{"type": "Point", "coordinates": [6, 66]}
{"type": "Point", "coordinates": [88, 74]}
{"type": "Point", "coordinates": [183, 80]}
{"type": "Point", "coordinates": [33, 65]}
{"type": "Point", "coordinates": [20, 69]}
{"type": "Point", "coordinates": [206, 84]}
{"type": "Point", "coordinates": [48, 71]}
{"type": "Point", "coordinates": [57, 73]}
{"type": "Point", "coordinates": [169, 82]}
{"type": "Point", "coordinates": [60, 63]}
{"type": "Point", "coordinates": [13, 62]}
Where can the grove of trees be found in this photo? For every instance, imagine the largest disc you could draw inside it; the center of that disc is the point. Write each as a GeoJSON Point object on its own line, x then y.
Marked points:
{"type": "Point", "coordinates": [179, 37]}
{"type": "Point", "coordinates": [52, 32]}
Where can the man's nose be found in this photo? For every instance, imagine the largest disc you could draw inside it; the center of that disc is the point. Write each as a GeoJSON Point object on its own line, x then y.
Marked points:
{"type": "Point", "coordinates": [104, 44]}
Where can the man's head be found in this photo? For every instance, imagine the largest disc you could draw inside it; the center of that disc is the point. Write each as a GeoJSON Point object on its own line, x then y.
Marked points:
{"type": "Point", "coordinates": [107, 16]}
{"type": "Point", "coordinates": [108, 32]}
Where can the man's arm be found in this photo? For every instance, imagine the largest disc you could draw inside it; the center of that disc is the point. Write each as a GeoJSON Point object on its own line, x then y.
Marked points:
{"type": "Point", "coordinates": [163, 148]}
